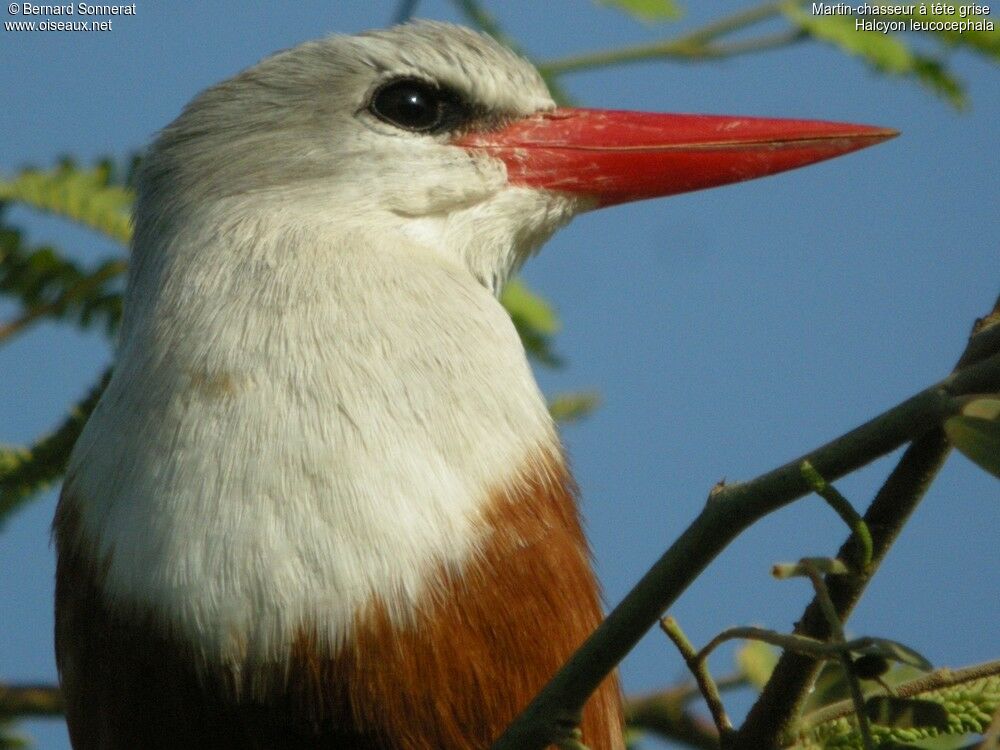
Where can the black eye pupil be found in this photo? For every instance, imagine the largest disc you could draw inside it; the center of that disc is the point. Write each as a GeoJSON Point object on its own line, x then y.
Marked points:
{"type": "Point", "coordinates": [413, 105]}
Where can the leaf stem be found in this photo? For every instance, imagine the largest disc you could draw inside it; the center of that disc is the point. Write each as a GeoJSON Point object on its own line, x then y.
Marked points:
{"type": "Point", "coordinates": [845, 510]}
{"type": "Point", "coordinates": [81, 289]}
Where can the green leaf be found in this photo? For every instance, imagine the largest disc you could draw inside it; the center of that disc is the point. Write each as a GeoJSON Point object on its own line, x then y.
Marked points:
{"type": "Point", "coordinates": [972, 32]}
{"type": "Point", "coordinates": [649, 11]}
{"type": "Point", "coordinates": [883, 51]}
{"type": "Point", "coordinates": [47, 286]}
{"type": "Point", "coordinates": [976, 432]}
{"type": "Point", "coordinates": [529, 307]}
{"type": "Point", "coordinates": [963, 708]}
{"type": "Point", "coordinates": [534, 319]}
{"type": "Point", "coordinates": [755, 661]}
{"type": "Point", "coordinates": [82, 195]}
{"type": "Point", "coordinates": [570, 407]}
{"type": "Point", "coordinates": [886, 53]}
{"type": "Point", "coordinates": [11, 740]}
{"type": "Point", "coordinates": [895, 651]}
{"type": "Point", "coordinates": [870, 666]}
{"type": "Point", "coordinates": [26, 471]}
{"type": "Point", "coordinates": [906, 713]}
{"type": "Point", "coordinates": [933, 75]}
{"type": "Point", "coordinates": [830, 687]}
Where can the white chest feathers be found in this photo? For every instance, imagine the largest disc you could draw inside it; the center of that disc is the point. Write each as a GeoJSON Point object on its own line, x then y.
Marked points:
{"type": "Point", "coordinates": [288, 450]}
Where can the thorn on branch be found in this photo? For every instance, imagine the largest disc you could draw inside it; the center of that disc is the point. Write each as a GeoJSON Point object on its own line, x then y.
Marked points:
{"type": "Point", "coordinates": [716, 490]}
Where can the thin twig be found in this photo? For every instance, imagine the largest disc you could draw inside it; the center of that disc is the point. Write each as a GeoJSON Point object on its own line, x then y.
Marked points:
{"type": "Point", "coordinates": [405, 11]}
{"type": "Point", "coordinates": [736, 21]}
{"type": "Point", "coordinates": [479, 17]}
{"type": "Point", "coordinates": [79, 290]}
{"type": "Point", "coordinates": [729, 512]}
{"type": "Point", "coordinates": [827, 565]}
{"type": "Point", "coordinates": [732, 681]}
{"type": "Point", "coordinates": [693, 45]}
{"type": "Point", "coordinates": [699, 668]}
{"type": "Point", "coordinates": [665, 710]}
{"type": "Point", "coordinates": [675, 51]}
{"type": "Point", "coordinates": [780, 700]}
{"type": "Point", "coordinates": [31, 700]}
{"type": "Point", "coordinates": [761, 43]}
{"type": "Point", "coordinates": [801, 644]}
{"type": "Point", "coordinates": [476, 14]}
{"type": "Point", "coordinates": [15, 326]}
{"type": "Point", "coordinates": [663, 715]}
{"type": "Point", "coordinates": [837, 639]}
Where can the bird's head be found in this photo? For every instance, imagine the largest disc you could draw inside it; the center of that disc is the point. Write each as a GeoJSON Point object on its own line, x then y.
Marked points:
{"type": "Point", "coordinates": [436, 134]}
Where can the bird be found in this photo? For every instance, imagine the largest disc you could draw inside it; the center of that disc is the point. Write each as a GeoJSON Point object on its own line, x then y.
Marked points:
{"type": "Point", "coordinates": [321, 502]}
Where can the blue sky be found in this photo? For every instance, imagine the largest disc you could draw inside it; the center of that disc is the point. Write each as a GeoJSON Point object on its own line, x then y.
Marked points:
{"type": "Point", "coordinates": [727, 331]}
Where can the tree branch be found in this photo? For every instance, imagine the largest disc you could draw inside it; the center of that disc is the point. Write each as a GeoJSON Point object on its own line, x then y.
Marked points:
{"type": "Point", "coordinates": [787, 689]}
{"type": "Point", "coordinates": [31, 700]}
{"type": "Point", "coordinates": [732, 509]}
{"type": "Point", "coordinates": [661, 713]}
{"type": "Point", "coordinates": [664, 715]}
{"type": "Point", "coordinates": [785, 693]}
{"type": "Point", "coordinates": [698, 665]}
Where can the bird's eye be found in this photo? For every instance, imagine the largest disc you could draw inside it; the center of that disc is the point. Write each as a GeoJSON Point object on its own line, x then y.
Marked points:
{"type": "Point", "coordinates": [414, 105]}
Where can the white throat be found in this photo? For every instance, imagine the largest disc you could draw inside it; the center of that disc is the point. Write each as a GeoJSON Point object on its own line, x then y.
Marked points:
{"type": "Point", "coordinates": [312, 421]}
